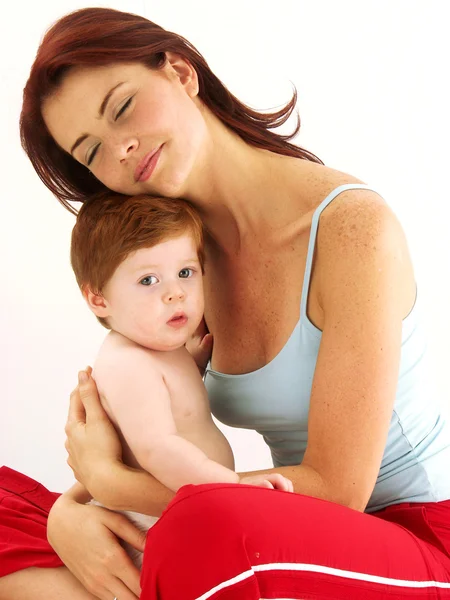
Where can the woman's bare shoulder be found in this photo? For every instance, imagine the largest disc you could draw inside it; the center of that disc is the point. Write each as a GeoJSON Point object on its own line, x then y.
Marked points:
{"type": "Point", "coordinates": [313, 182]}
{"type": "Point", "coordinates": [359, 230]}
{"type": "Point", "coordinates": [318, 173]}
{"type": "Point", "coordinates": [357, 212]}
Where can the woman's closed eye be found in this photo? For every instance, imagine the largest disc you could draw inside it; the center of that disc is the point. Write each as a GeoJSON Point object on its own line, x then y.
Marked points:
{"type": "Point", "coordinates": [123, 108]}
{"type": "Point", "coordinates": [119, 113]}
{"type": "Point", "coordinates": [92, 154]}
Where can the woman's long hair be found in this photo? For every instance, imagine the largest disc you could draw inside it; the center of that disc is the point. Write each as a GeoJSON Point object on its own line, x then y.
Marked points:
{"type": "Point", "coordinates": [93, 37]}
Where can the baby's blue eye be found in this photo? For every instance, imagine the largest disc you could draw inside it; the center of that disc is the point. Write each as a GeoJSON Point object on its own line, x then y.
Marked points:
{"type": "Point", "coordinates": [185, 273]}
{"type": "Point", "coordinates": [150, 280]}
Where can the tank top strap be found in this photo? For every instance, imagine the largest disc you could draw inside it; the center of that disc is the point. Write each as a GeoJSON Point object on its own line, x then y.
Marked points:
{"type": "Point", "coordinates": [313, 235]}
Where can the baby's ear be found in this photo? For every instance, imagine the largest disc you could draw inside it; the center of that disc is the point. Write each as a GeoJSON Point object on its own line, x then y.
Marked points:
{"type": "Point", "coordinates": [96, 302]}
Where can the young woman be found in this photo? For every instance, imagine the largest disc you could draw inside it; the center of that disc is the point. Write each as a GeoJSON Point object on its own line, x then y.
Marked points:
{"type": "Point", "coordinates": [313, 308]}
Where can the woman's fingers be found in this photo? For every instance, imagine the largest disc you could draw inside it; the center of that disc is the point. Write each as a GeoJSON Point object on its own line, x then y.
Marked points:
{"type": "Point", "coordinates": [82, 535]}
{"type": "Point", "coordinates": [122, 591]}
{"type": "Point", "coordinates": [77, 410]}
{"type": "Point", "coordinates": [124, 569]}
{"type": "Point", "coordinates": [92, 441]}
{"type": "Point", "coordinates": [89, 397]}
{"type": "Point", "coordinates": [77, 413]}
{"type": "Point", "coordinates": [125, 530]}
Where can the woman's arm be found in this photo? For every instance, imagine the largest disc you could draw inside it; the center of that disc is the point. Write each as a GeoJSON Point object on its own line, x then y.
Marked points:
{"type": "Point", "coordinates": [95, 456]}
{"type": "Point", "coordinates": [126, 488]}
{"type": "Point", "coordinates": [85, 538]}
{"type": "Point", "coordinates": [366, 287]}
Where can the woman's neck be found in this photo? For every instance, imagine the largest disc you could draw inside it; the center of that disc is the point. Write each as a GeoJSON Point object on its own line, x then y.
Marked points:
{"type": "Point", "coordinates": [243, 192]}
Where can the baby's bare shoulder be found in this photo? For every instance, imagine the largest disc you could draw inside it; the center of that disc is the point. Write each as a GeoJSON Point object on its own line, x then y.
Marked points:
{"type": "Point", "coordinates": [119, 358]}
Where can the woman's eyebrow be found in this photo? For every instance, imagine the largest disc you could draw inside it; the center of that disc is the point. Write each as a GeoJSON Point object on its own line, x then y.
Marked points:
{"type": "Point", "coordinates": [79, 141]}
{"type": "Point", "coordinates": [106, 99]}
{"type": "Point", "coordinates": [101, 112]}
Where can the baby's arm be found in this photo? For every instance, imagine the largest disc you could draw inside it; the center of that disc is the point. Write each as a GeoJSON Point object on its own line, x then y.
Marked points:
{"type": "Point", "coordinates": [176, 462]}
{"type": "Point", "coordinates": [139, 400]}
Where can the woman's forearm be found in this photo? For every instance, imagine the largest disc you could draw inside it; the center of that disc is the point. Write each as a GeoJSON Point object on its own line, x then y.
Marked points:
{"type": "Point", "coordinates": [78, 493]}
{"type": "Point", "coordinates": [306, 480]}
{"type": "Point", "coordinates": [120, 487]}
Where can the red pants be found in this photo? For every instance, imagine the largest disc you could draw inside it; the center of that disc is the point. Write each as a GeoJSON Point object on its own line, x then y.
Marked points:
{"type": "Point", "coordinates": [24, 507]}
{"type": "Point", "coordinates": [239, 542]}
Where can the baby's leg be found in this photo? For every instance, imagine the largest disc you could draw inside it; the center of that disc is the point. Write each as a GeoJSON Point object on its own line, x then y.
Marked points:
{"type": "Point", "coordinates": [42, 584]}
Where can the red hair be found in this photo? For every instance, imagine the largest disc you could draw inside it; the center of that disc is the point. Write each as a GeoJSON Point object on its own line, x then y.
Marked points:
{"type": "Point", "coordinates": [93, 37]}
{"type": "Point", "coordinates": [110, 226]}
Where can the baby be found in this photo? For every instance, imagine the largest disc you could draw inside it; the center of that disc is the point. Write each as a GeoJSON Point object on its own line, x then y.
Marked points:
{"type": "Point", "coordinates": [139, 264]}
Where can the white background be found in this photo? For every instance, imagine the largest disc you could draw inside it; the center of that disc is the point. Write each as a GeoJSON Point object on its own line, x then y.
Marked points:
{"type": "Point", "coordinates": [372, 80]}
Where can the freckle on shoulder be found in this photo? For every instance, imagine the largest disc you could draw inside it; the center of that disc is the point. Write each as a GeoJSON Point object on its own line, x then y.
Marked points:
{"type": "Point", "coordinates": [356, 218]}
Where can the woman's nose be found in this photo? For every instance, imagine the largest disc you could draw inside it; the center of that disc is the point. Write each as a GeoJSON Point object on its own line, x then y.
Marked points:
{"type": "Point", "coordinates": [123, 149]}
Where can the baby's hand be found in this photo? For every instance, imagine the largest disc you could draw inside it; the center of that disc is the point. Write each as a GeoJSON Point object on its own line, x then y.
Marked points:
{"type": "Point", "coordinates": [273, 481]}
{"type": "Point", "coordinates": [200, 346]}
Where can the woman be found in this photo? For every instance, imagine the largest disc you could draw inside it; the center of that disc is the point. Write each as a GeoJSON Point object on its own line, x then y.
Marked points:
{"type": "Point", "coordinates": [317, 343]}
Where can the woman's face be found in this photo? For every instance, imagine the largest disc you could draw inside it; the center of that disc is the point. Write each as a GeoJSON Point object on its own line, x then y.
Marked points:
{"type": "Point", "coordinates": [138, 130]}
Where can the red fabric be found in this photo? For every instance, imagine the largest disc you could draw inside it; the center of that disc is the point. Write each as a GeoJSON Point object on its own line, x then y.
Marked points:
{"type": "Point", "coordinates": [234, 542]}
{"type": "Point", "coordinates": [252, 543]}
{"type": "Point", "coordinates": [24, 508]}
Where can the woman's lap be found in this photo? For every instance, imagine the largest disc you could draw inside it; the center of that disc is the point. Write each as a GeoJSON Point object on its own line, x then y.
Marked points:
{"type": "Point", "coordinates": [42, 584]}
{"type": "Point", "coordinates": [24, 508]}
{"type": "Point", "coordinates": [251, 542]}
{"type": "Point", "coordinates": [238, 542]}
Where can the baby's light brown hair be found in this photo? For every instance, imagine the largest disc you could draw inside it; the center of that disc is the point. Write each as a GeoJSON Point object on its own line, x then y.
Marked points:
{"type": "Point", "coordinates": [109, 227]}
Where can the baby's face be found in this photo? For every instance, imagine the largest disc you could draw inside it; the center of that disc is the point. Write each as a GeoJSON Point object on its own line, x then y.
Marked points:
{"type": "Point", "coordinates": [155, 296]}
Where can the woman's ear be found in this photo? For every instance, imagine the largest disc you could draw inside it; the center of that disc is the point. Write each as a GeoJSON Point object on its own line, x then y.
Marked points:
{"type": "Point", "coordinates": [96, 302]}
{"type": "Point", "coordinates": [185, 72]}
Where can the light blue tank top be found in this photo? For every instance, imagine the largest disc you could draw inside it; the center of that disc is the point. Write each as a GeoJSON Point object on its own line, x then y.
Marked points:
{"type": "Point", "coordinates": [274, 400]}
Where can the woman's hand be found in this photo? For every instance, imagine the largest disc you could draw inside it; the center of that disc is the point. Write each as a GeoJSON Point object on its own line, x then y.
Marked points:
{"type": "Point", "coordinates": [200, 346]}
{"type": "Point", "coordinates": [84, 537]}
{"type": "Point", "coordinates": [274, 481]}
{"type": "Point", "coordinates": [95, 456]}
{"type": "Point", "coordinates": [92, 442]}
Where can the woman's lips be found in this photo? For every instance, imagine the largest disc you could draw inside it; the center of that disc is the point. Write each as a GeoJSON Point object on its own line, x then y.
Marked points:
{"type": "Point", "coordinates": [147, 165]}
